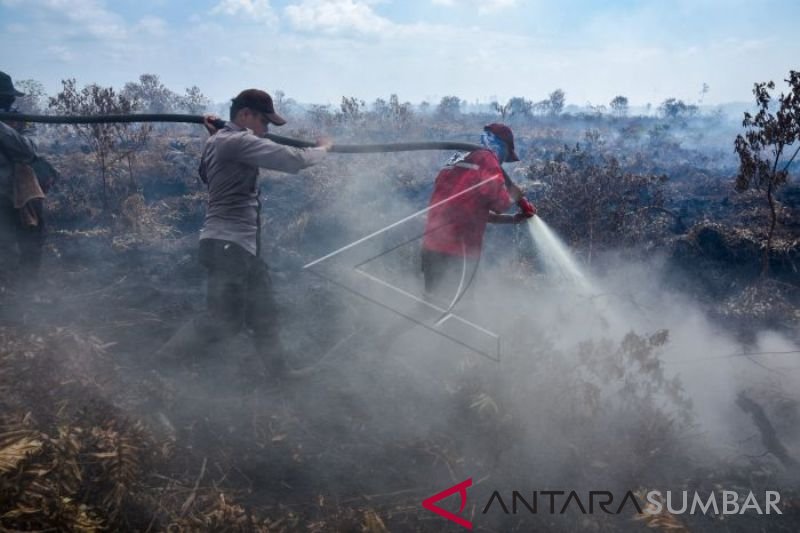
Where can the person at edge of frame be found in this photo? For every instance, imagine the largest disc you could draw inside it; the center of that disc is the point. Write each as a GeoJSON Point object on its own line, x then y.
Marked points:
{"type": "Point", "coordinates": [24, 180]}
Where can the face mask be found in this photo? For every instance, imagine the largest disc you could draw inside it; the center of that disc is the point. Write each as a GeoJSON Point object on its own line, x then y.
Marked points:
{"type": "Point", "coordinates": [496, 145]}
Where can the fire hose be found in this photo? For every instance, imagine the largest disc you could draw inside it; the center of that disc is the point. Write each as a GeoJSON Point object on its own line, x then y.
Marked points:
{"type": "Point", "coordinates": [280, 139]}
{"type": "Point", "coordinates": [197, 119]}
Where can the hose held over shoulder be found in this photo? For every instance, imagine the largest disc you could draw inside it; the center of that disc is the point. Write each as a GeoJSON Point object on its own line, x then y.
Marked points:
{"type": "Point", "coordinates": [198, 119]}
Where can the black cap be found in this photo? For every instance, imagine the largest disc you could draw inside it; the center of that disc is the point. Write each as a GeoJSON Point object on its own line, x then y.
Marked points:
{"type": "Point", "coordinates": [6, 87]}
{"type": "Point", "coordinates": [260, 101]}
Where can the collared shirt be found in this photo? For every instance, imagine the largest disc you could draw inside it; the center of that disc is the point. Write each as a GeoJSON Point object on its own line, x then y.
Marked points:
{"type": "Point", "coordinates": [466, 190]}
{"type": "Point", "coordinates": [18, 148]}
{"type": "Point", "coordinates": [230, 163]}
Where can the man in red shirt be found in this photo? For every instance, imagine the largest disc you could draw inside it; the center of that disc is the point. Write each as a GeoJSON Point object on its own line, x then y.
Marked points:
{"type": "Point", "coordinates": [470, 191]}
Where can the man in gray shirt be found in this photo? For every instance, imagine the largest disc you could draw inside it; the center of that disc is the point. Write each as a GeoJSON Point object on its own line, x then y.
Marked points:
{"type": "Point", "coordinates": [239, 289]}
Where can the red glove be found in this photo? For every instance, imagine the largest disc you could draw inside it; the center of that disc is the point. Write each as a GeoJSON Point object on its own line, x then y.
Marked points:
{"type": "Point", "coordinates": [527, 208]}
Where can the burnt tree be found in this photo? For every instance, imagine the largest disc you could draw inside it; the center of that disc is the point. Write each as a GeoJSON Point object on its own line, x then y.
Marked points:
{"type": "Point", "coordinates": [767, 149]}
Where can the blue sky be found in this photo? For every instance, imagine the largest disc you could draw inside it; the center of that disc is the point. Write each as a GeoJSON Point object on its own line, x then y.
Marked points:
{"type": "Point", "coordinates": [319, 50]}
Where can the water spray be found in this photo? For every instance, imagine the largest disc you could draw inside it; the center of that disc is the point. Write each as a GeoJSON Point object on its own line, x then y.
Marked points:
{"type": "Point", "coordinates": [555, 254]}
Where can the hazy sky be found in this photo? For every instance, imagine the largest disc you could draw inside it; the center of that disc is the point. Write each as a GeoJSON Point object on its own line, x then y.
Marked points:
{"type": "Point", "coordinates": [319, 50]}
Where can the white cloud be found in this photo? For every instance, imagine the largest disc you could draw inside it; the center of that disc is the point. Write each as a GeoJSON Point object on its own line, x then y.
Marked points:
{"type": "Point", "coordinates": [336, 16]}
{"type": "Point", "coordinates": [62, 53]}
{"type": "Point", "coordinates": [496, 5]}
{"type": "Point", "coordinates": [90, 16]}
{"type": "Point", "coordinates": [152, 25]}
{"type": "Point", "coordinates": [255, 10]}
{"type": "Point", "coordinates": [17, 28]}
{"type": "Point", "coordinates": [483, 6]}
{"type": "Point", "coordinates": [80, 18]}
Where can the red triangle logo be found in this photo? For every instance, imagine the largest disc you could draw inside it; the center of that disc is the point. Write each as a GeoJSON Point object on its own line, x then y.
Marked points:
{"type": "Point", "coordinates": [461, 489]}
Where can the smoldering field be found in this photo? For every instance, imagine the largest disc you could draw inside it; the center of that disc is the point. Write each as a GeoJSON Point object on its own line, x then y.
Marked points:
{"type": "Point", "coordinates": [629, 384]}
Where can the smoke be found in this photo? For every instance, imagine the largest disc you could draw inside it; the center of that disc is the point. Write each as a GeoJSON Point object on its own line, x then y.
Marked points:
{"type": "Point", "coordinates": [623, 383]}
{"type": "Point", "coordinates": [629, 383]}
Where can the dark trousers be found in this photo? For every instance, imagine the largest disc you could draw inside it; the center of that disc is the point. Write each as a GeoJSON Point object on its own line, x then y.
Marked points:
{"type": "Point", "coordinates": [447, 277]}
{"type": "Point", "coordinates": [448, 280]}
{"type": "Point", "coordinates": [20, 245]}
{"type": "Point", "coordinates": [239, 295]}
